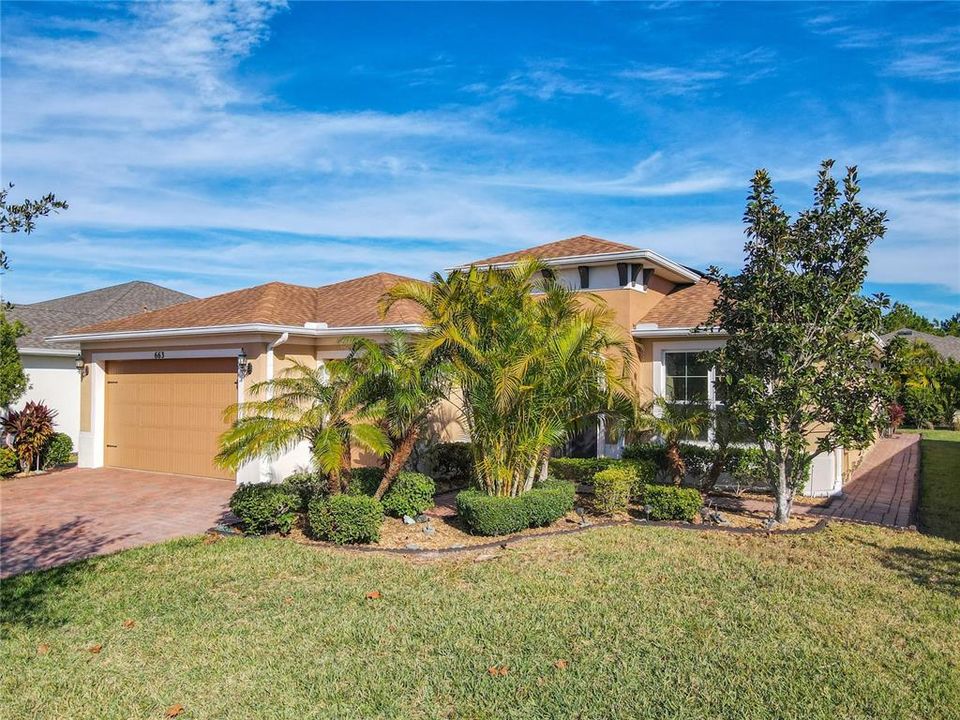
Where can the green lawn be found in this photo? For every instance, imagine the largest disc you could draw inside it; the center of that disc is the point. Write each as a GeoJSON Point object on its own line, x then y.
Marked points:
{"type": "Point", "coordinates": [940, 483]}
{"type": "Point", "coordinates": [854, 622]}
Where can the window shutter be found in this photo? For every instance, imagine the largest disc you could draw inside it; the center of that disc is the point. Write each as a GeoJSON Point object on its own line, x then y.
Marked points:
{"type": "Point", "coordinates": [635, 271]}
{"type": "Point", "coordinates": [584, 271]}
{"type": "Point", "coordinates": [622, 272]}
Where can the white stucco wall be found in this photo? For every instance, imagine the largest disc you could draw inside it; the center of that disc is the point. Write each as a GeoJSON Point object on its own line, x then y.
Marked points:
{"type": "Point", "coordinates": [55, 382]}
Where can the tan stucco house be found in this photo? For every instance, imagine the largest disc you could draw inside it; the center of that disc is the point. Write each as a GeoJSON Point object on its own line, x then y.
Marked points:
{"type": "Point", "coordinates": [156, 383]}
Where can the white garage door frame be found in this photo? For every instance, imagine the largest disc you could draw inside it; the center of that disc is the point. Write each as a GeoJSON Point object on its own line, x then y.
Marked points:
{"type": "Point", "coordinates": [91, 450]}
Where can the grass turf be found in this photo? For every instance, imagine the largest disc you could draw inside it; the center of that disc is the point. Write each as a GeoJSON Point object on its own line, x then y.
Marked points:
{"type": "Point", "coordinates": [940, 483]}
{"type": "Point", "coordinates": [853, 622]}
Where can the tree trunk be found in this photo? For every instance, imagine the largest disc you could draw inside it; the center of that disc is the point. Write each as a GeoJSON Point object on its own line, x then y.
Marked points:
{"type": "Point", "coordinates": [333, 483]}
{"type": "Point", "coordinates": [783, 495]}
{"type": "Point", "coordinates": [675, 462]}
{"type": "Point", "coordinates": [545, 465]}
{"type": "Point", "coordinates": [399, 458]}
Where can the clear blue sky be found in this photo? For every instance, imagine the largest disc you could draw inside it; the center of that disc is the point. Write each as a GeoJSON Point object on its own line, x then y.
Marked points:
{"type": "Point", "coordinates": [211, 147]}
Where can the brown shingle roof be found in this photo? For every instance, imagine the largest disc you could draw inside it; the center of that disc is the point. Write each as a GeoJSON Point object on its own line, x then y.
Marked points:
{"type": "Point", "coordinates": [579, 245]}
{"type": "Point", "coordinates": [350, 303]}
{"type": "Point", "coordinates": [686, 306]}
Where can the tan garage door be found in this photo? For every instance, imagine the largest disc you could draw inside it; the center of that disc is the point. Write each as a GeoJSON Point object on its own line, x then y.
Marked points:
{"type": "Point", "coordinates": [166, 415]}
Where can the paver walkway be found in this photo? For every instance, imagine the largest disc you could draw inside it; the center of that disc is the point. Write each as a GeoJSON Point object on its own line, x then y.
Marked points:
{"type": "Point", "coordinates": [53, 519]}
{"type": "Point", "coordinates": [882, 491]}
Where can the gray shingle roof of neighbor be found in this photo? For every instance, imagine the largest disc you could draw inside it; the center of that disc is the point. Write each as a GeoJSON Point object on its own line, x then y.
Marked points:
{"type": "Point", "coordinates": [947, 345]}
{"type": "Point", "coordinates": [56, 316]}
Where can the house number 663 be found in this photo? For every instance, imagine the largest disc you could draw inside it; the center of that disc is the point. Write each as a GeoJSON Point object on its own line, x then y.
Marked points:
{"type": "Point", "coordinates": [158, 355]}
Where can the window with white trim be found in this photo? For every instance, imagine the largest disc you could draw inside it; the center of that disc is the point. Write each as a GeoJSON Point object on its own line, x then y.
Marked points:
{"type": "Point", "coordinates": [689, 379]}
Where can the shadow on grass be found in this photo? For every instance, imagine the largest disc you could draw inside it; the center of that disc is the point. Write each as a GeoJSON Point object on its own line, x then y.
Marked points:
{"type": "Point", "coordinates": [939, 510]}
{"type": "Point", "coordinates": [934, 570]}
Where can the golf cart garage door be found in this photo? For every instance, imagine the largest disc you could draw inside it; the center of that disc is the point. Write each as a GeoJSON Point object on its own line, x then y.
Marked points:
{"type": "Point", "coordinates": [166, 415]}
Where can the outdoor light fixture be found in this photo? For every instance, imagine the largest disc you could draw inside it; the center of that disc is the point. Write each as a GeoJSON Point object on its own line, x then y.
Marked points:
{"type": "Point", "coordinates": [81, 366]}
{"type": "Point", "coordinates": [244, 368]}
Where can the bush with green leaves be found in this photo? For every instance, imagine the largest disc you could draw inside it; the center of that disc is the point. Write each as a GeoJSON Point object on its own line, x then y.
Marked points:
{"type": "Point", "coordinates": [667, 502]}
{"type": "Point", "coordinates": [612, 489]}
{"type": "Point", "coordinates": [747, 467]}
{"type": "Point", "coordinates": [410, 494]}
{"type": "Point", "coordinates": [549, 501]}
{"type": "Point", "coordinates": [364, 480]}
{"type": "Point", "coordinates": [265, 507]}
{"type": "Point", "coordinates": [9, 464]}
{"type": "Point", "coordinates": [450, 464]}
{"type": "Point", "coordinates": [57, 451]}
{"type": "Point", "coordinates": [581, 471]}
{"type": "Point", "coordinates": [307, 484]}
{"type": "Point", "coordinates": [499, 515]}
{"type": "Point", "coordinates": [345, 518]}
{"type": "Point", "coordinates": [650, 451]}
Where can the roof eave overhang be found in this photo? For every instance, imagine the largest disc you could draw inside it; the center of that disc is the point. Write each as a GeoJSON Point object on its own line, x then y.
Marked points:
{"type": "Point", "coordinates": [245, 328]}
{"type": "Point", "coordinates": [652, 330]}
{"type": "Point", "coordinates": [680, 271]}
{"type": "Point", "coordinates": [48, 352]}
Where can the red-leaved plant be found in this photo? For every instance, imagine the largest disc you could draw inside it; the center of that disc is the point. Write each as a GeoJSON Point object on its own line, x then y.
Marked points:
{"type": "Point", "coordinates": [28, 430]}
{"type": "Point", "coordinates": [896, 415]}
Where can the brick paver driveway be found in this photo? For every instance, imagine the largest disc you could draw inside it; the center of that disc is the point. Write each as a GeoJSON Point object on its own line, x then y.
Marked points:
{"type": "Point", "coordinates": [53, 519]}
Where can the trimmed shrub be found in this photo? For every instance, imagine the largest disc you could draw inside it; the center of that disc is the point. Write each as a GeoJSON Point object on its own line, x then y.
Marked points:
{"type": "Point", "coordinates": [345, 518]}
{"type": "Point", "coordinates": [364, 480]}
{"type": "Point", "coordinates": [548, 501]}
{"type": "Point", "coordinates": [492, 514]}
{"type": "Point", "coordinates": [410, 494]}
{"type": "Point", "coordinates": [9, 464]}
{"type": "Point", "coordinates": [495, 515]}
{"type": "Point", "coordinates": [671, 503]}
{"type": "Point", "coordinates": [582, 470]}
{"type": "Point", "coordinates": [264, 507]}
{"type": "Point", "coordinates": [450, 464]}
{"type": "Point", "coordinates": [57, 451]}
{"type": "Point", "coordinates": [747, 467]}
{"type": "Point", "coordinates": [612, 489]}
{"type": "Point", "coordinates": [307, 485]}
{"type": "Point", "coordinates": [653, 452]}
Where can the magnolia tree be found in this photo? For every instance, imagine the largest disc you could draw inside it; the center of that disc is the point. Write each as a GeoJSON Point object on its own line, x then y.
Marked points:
{"type": "Point", "coordinates": [800, 368]}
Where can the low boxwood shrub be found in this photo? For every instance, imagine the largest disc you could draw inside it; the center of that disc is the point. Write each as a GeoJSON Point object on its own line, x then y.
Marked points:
{"type": "Point", "coordinates": [495, 515]}
{"type": "Point", "coordinates": [653, 452]}
{"type": "Point", "coordinates": [265, 507]}
{"type": "Point", "coordinates": [364, 480]}
{"type": "Point", "coordinates": [667, 502]}
{"type": "Point", "coordinates": [450, 464]}
{"type": "Point", "coordinates": [9, 464]}
{"type": "Point", "coordinates": [747, 467]}
{"type": "Point", "coordinates": [612, 489]}
{"type": "Point", "coordinates": [345, 518]}
{"type": "Point", "coordinates": [492, 514]}
{"type": "Point", "coordinates": [307, 484]}
{"type": "Point", "coordinates": [56, 451]}
{"type": "Point", "coordinates": [549, 501]}
{"type": "Point", "coordinates": [410, 494]}
{"type": "Point", "coordinates": [582, 470]}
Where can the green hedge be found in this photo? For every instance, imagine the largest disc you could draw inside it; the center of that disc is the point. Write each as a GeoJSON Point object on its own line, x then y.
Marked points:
{"type": "Point", "coordinates": [744, 464]}
{"type": "Point", "coordinates": [410, 494]}
{"type": "Point", "coordinates": [495, 515]}
{"type": "Point", "coordinates": [364, 480]}
{"type": "Point", "coordinates": [57, 450]}
{"type": "Point", "coordinates": [345, 518]}
{"type": "Point", "coordinates": [9, 464]}
{"type": "Point", "coordinates": [581, 471]}
{"type": "Point", "coordinates": [651, 452]}
{"type": "Point", "coordinates": [450, 464]}
{"type": "Point", "coordinates": [612, 489]}
{"type": "Point", "coordinates": [307, 485]}
{"type": "Point", "coordinates": [263, 507]}
{"type": "Point", "coordinates": [667, 502]}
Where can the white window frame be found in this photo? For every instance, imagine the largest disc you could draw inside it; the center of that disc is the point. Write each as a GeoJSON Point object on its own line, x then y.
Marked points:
{"type": "Point", "coordinates": [660, 351]}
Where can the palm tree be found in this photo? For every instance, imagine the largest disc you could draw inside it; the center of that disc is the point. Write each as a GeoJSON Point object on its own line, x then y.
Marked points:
{"type": "Point", "coordinates": [396, 384]}
{"type": "Point", "coordinates": [673, 422]}
{"type": "Point", "coordinates": [315, 405]}
{"type": "Point", "coordinates": [529, 358]}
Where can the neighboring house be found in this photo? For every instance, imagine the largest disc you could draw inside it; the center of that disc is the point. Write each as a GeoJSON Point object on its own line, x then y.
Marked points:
{"type": "Point", "coordinates": [948, 346]}
{"type": "Point", "coordinates": [158, 382]}
{"type": "Point", "coordinates": [51, 366]}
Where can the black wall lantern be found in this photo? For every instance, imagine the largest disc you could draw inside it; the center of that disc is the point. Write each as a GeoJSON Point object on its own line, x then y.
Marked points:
{"type": "Point", "coordinates": [81, 366]}
{"type": "Point", "coordinates": [244, 368]}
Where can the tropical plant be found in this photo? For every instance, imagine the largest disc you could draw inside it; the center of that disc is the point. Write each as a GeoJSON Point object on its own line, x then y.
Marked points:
{"type": "Point", "coordinates": [399, 386]}
{"type": "Point", "coordinates": [30, 429]}
{"type": "Point", "coordinates": [673, 423]}
{"type": "Point", "coordinates": [799, 368]}
{"type": "Point", "coordinates": [318, 406]}
{"type": "Point", "coordinates": [528, 356]}
{"type": "Point", "coordinates": [13, 379]}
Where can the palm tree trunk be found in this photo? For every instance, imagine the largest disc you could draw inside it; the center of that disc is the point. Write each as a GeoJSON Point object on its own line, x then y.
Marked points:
{"type": "Point", "coordinates": [399, 458]}
{"type": "Point", "coordinates": [333, 483]}
{"type": "Point", "coordinates": [674, 460]}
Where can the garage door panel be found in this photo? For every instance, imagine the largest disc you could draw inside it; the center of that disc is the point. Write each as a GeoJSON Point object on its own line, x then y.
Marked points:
{"type": "Point", "coordinates": [167, 415]}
